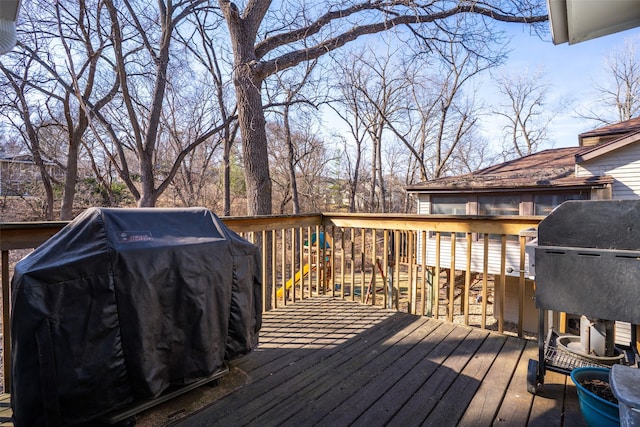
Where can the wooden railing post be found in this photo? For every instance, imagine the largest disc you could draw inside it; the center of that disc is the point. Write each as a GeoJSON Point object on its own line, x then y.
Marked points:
{"type": "Point", "coordinates": [342, 262]}
{"type": "Point", "coordinates": [388, 292]}
{"type": "Point", "coordinates": [427, 289]}
{"type": "Point", "coordinates": [452, 278]}
{"type": "Point", "coordinates": [363, 260]}
{"type": "Point", "coordinates": [503, 282]}
{"type": "Point", "coordinates": [265, 293]}
{"type": "Point", "coordinates": [374, 257]}
{"type": "Point", "coordinates": [521, 287]}
{"type": "Point", "coordinates": [467, 282]}
{"type": "Point", "coordinates": [436, 277]}
{"type": "Point", "coordinates": [396, 269]}
{"type": "Point", "coordinates": [301, 260]}
{"type": "Point", "coordinates": [274, 293]}
{"type": "Point", "coordinates": [411, 284]}
{"type": "Point", "coordinates": [485, 274]}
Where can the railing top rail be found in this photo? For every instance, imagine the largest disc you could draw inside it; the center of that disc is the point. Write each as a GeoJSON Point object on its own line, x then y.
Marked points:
{"type": "Point", "coordinates": [25, 235]}
{"type": "Point", "coordinates": [271, 222]}
{"type": "Point", "coordinates": [445, 223]}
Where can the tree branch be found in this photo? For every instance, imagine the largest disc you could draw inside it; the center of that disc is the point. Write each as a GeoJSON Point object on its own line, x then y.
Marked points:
{"type": "Point", "coordinates": [291, 59]}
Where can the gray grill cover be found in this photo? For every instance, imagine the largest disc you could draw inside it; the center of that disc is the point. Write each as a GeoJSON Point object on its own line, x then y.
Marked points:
{"type": "Point", "coordinates": [122, 304]}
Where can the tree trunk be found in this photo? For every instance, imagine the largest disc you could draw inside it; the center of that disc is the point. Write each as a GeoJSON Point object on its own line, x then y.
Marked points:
{"type": "Point", "coordinates": [148, 194]}
{"type": "Point", "coordinates": [226, 160]}
{"type": "Point", "coordinates": [354, 180]}
{"type": "Point", "coordinates": [254, 143]}
{"type": "Point", "coordinates": [71, 173]}
{"type": "Point", "coordinates": [291, 163]}
{"type": "Point", "coordinates": [383, 190]}
{"type": "Point", "coordinates": [242, 31]}
{"type": "Point", "coordinates": [70, 178]}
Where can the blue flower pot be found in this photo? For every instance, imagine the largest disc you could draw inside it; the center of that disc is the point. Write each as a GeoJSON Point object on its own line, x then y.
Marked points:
{"type": "Point", "coordinates": [597, 412]}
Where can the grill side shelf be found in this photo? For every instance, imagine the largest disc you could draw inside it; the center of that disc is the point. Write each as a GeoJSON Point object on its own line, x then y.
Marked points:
{"type": "Point", "coordinates": [601, 224]}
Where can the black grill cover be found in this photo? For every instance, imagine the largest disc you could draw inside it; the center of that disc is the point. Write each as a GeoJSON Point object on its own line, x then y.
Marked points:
{"type": "Point", "coordinates": [123, 303]}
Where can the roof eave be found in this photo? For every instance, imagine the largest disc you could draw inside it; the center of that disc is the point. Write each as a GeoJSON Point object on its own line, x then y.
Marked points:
{"type": "Point", "coordinates": [602, 149]}
{"type": "Point", "coordinates": [598, 182]}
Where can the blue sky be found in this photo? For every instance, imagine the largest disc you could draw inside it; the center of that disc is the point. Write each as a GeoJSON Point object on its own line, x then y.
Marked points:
{"type": "Point", "coordinates": [571, 69]}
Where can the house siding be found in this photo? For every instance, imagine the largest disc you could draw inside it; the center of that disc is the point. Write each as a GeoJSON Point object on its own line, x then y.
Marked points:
{"type": "Point", "coordinates": [623, 165]}
{"type": "Point", "coordinates": [477, 249]}
{"type": "Point", "coordinates": [512, 255]}
{"type": "Point", "coordinates": [424, 207]}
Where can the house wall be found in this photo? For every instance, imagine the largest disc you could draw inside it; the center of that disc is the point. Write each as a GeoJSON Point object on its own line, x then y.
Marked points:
{"type": "Point", "coordinates": [512, 255]}
{"type": "Point", "coordinates": [423, 204]}
{"type": "Point", "coordinates": [477, 250]}
{"type": "Point", "coordinates": [623, 165]}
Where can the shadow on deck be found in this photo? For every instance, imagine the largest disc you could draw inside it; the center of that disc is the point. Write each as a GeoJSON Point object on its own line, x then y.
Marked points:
{"type": "Point", "coordinates": [331, 362]}
{"type": "Point", "coordinates": [326, 361]}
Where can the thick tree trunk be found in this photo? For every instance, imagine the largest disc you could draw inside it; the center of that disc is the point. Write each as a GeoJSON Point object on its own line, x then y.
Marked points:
{"type": "Point", "coordinates": [247, 82]}
{"type": "Point", "coordinates": [254, 142]}
{"type": "Point", "coordinates": [148, 193]}
{"type": "Point", "coordinates": [70, 178]}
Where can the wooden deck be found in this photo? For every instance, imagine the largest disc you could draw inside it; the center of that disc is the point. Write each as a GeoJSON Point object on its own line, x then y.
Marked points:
{"type": "Point", "coordinates": [331, 362]}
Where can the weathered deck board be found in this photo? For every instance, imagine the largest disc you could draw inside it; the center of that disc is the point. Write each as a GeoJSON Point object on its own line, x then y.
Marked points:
{"type": "Point", "coordinates": [330, 362]}
{"type": "Point", "coordinates": [5, 410]}
{"type": "Point", "coordinates": [517, 402]}
{"type": "Point", "coordinates": [483, 408]}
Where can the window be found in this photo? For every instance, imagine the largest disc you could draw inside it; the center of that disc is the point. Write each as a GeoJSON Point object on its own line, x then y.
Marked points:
{"type": "Point", "coordinates": [499, 205]}
{"type": "Point", "coordinates": [449, 205]}
{"type": "Point", "coordinates": [545, 203]}
{"type": "Point", "coordinates": [496, 205]}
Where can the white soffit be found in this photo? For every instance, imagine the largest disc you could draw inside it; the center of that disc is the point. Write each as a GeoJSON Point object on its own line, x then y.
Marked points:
{"type": "Point", "coordinates": [8, 16]}
{"type": "Point", "coordinates": [574, 21]}
{"type": "Point", "coordinates": [9, 9]}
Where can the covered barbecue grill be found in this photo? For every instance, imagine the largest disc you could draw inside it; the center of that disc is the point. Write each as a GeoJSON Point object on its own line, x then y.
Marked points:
{"type": "Point", "coordinates": [587, 262]}
{"type": "Point", "coordinates": [125, 305]}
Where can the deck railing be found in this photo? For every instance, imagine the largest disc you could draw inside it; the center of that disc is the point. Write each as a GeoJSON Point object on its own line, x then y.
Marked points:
{"type": "Point", "coordinates": [402, 262]}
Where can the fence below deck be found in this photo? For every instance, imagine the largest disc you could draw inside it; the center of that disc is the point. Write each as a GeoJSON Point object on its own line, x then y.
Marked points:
{"type": "Point", "coordinates": [396, 261]}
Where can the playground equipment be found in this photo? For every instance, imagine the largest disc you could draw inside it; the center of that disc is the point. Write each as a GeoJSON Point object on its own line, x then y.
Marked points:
{"type": "Point", "coordinates": [314, 260]}
{"type": "Point", "coordinates": [300, 275]}
{"type": "Point", "coordinates": [373, 275]}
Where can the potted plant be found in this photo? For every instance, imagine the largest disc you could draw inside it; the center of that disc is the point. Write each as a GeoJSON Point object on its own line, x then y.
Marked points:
{"type": "Point", "coordinates": [598, 405]}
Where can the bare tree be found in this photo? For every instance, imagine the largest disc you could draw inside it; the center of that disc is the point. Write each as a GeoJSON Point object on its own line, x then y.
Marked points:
{"type": "Point", "coordinates": [28, 119]}
{"type": "Point", "coordinates": [441, 117]}
{"type": "Point", "coordinates": [195, 176]}
{"type": "Point", "coordinates": [75, 33]}
{"type": "Point", "coordinates": [352, 159]}
{"type": "Point", "coordinates": [68, 75]}
{"type": "Point", "coordinates": [204, 43]}
{"type": "Point", "coordinates": [618, 94]}
{"type": "Point", "coordinates": [427, 106]}
{"type": "Point", "coordinates": [129, 112]}
{"type": "Point", "coordinates": [294, 90]}
{"type": "Point", "coordinates": [300, 152]}
{"type": "Point", "coordinates": [374, 92]}
{"type": "Point", "coordinates": [303, 34]}
{"type": "Point", "coordinates": [140, 44]}
{"type": "Point", "coordinates": [524, 111]}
